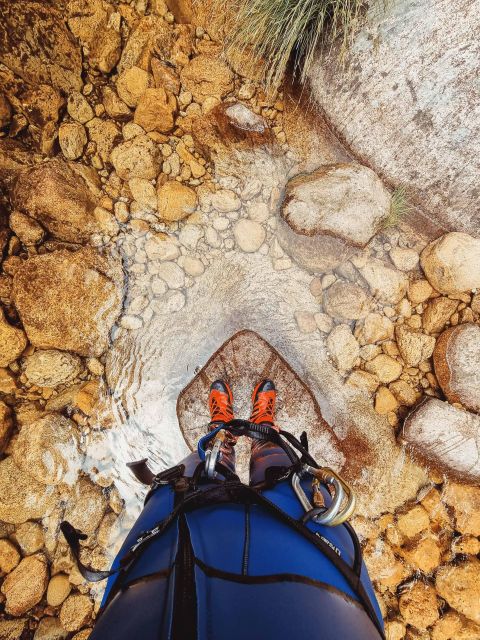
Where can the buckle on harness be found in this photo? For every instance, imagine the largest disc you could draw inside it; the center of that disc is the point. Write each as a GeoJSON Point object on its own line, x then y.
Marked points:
{"type": "Point", "coordinates": [212, 455]}
{"type": "Point", "coordinates": [336, 513]}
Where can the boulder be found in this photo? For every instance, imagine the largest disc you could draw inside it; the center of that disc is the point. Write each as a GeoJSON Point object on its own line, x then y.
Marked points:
{"type": "Point", "coordinates": [136, 158]}
{"type": "Point", "coordinates": [175, 201]}
{"type": "Point", "coordinates": [24, 587]}
{"type": "Point", "coordinates": [25, 50]}
{"type": "Point", "coordinates": [452, 263]}
{"type": "Point", "coordinates": [156, 110]}
{"type": "Point", "coordinates": [48, 450]}
{"type": "Point", "coordinates": [414, 346]}
{"type": "Point", "coordinates": [12, 341]}
{"type": "Point", "coordinates": [65, 203]}
{"type": "Point", "coordinates": [347, 201]}
{"type": "Point", "coordinates": [206, 76]}
{"type": "Point", "coordinates": [89, 287]}
{"type": "Point", "coordinates": [51, 368]}
{"type": "Point", "coordinates": [460, 587]}
{"type": "Point", "coordinates": [456, 360]}
{"type": "Point", "coordinates": [386, 284]}
{"type": "Point", "coordinates": [346, 301]}
{"type": "Point", "coordinates": [445, 436]}
{"type": "Point", "coordinates": [97, 27]}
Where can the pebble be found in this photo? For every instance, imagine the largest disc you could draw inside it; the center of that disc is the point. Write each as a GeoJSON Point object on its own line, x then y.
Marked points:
{"type": "Point", "coordinates": [193, 266]}
{"type": "Point", "coordinates": [249, 235]}
{"type": "Point", "coordinates": [25, 585]}
{"type": "Point", "coordinates": [76, 612]}
{"type": "Point", "coordinates": [305, 321]}
{"type": "Point", "coordinates": [386, 368]}
{"type": "Point", "coordinates": [221, 224]}
{"type": "Point", "coordinates": [404, 259]}
{"type": "Point", "coordinates": [171, 273]}
{"type": "Point", "coordinates": [343, 347]}
{"type": "Point", "coordinates": [385, 401]}
{"type": "Point", "coordinates": [190, 235]}
{"type": "Point", "coordinates": [212, 238]}
{"type": "Point", "coordinates": [324, 322]}
{"type": "Point", "coordinates": [225, 201]}
{"type": "Point", "coordinates": [72, 138]}
{"type": "Point", "coordinates": [9, 556]}
{"type": "Point", "coordinates": [58, 589]}
{"type": "Point", "coordinates": [78, 108]}
{"type": "Point", "coordinates": [161, 247]}
{"type": "Point", "coordinates": [258, 211]}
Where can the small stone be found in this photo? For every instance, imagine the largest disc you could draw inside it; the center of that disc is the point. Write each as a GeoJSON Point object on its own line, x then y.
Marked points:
{"type": "Point", "coordinates": [249, 235]}
{"type": "Point", "coordinates": [258, 211]}
{"type": "Point", "coordinates": [456, 359]}
{"type": "Point", "coordinates": [156, 110]}
{"type": "Point", "coordinates": [193, 266]}
{"type": "Point", "coordinates": [144, 193]}
{"type": "Point", "coordinates": [105, 134]}
{"type": "Point", "coordinates": [414, 346]}
{"type": "Point", "coordinates": [386, 284]}
{"type": "Point", "coordinates": [465, 503]}
{"type": "Point", "coordinates": [460, 587]}
{"type": "Point", "coordinates": [404, 308]}
{"type": "Point", "coordinates": [175, 201]}
{"type": "Point", "coordinates": [385, 368]}
{"type": "Point", "coordinates": [137, 158]}
{"type": "Point", "coordinates": [375, 328]}
{"type": "Point", "coordinates": [25, 585]}
{"type": "Point", "coordinates": [346, 301]}
{"type": "Point", "coordinates": [386, 570]}
{"type": "Point", "coordinates": [467, 545]}
{"type": "Point", "coordinates": [12, 629]}
{"type": "Point", "coordinates": [225, 201]}
{"type": "Point", "coordinates": [395, 630]}
{"type": "Point", "coordinates": [161, 247]}
{"type": "Point", "coordinates": [437, 314]}
{"type": "Point", "coordinates": [385, 401]}
{"type": "Point", "coordinates": [447, 627]}
{"type": "Point", "coordinates": [12, 341]}
{"type": "Point", "coordinates": [418, 605]}
{"type": "Point", "coordinates": [171, 273]}
{"type": "Point", "coordinates": [404, 393]}
{"type": "Point", "coordinates": [363, 380]}
{"type": "Point", "coordinates": [78, 108]}
{"type": "Point", "coordinates": [29, 537]}
{"type": "Point", "coordinates": [58, 589]}
{"type": "Point", "coordinates": [305, 321]}
{"type": "Point", "coordinates": [114, 106]}
{"type": "Point", "coordinates": [50, 629]}
{"type": "Point", "coordinates": [404, 259]}
{"type": "Point", "coordinates": [85, 506]}
{"type": "Point", "coordinates": [324, 322]}
{"type": "Point", "coordinates": [26, 498]}
{"type": "Point", "coordinates": [452, 263]}
{"type": "Point", "coordinates": [423, 553]}
{"type": "Point", "coordinates": [76, 611]}
{"type": "Point", "coordinates": [205, 76]}
{"type": "Point", "coordinates": [190, 235]}
{"type": "Point", "coordinates": [419, 291]}
{"type": "Point", "coordinates": [51, 368]}
{"type": "Point", "coordinates": [72, 138]}
{"type": "Point", "coordinates": [132, 84]}
{"type": "Point", "coordinates": [26, 228]}
{"type": "Point", "coordinates": [413, 521]}
{"type": "Point", "coordinates": [9, 556]}
{"type": "Point", "coordinates": [343, 347]}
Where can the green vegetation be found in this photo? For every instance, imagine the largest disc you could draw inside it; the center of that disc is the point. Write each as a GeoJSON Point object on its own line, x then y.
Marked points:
{"type": "Point", "coordinates": [274, 32]}
{"type": "Point", "coordinates": [399, 207]}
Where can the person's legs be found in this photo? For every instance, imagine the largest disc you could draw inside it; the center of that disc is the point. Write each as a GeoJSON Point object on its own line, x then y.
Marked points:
{"type": "Point", "coordinates": [265, 454]}
{"type": "Point", "coordinates": [220, 404]}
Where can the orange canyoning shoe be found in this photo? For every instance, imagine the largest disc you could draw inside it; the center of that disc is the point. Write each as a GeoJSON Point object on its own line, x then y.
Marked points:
{"type": "Point", "coordinates": [263, 400]}
{"type": "Point", "coordinates": [220, 402]}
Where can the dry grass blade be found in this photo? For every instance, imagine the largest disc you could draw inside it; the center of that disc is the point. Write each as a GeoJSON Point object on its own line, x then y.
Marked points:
{"type": "Point", "coordinates": [399, 207]}
{"type": "Point", "coordinates": [271, 33]}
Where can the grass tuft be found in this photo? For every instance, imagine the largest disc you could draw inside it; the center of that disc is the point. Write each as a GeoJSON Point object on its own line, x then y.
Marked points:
{"type": "Point", "coordinates": [399, 207]}
{"type": "Point", "coordinates": [273, 33]}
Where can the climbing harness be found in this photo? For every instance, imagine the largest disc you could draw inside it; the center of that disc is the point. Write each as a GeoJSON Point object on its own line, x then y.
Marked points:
{"type": "Point", "coordinates": [213, 483]}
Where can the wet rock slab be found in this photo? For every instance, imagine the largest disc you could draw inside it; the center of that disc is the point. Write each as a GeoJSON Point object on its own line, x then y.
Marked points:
{"type": "Point", "coordinates": [243, 361]}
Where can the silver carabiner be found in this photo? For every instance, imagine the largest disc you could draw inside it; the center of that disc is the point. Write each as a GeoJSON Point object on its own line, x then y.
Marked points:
{"type": "Point", "coordinates": [212, 455]}
{"type": "Point", "coordinates": [334, 515]}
